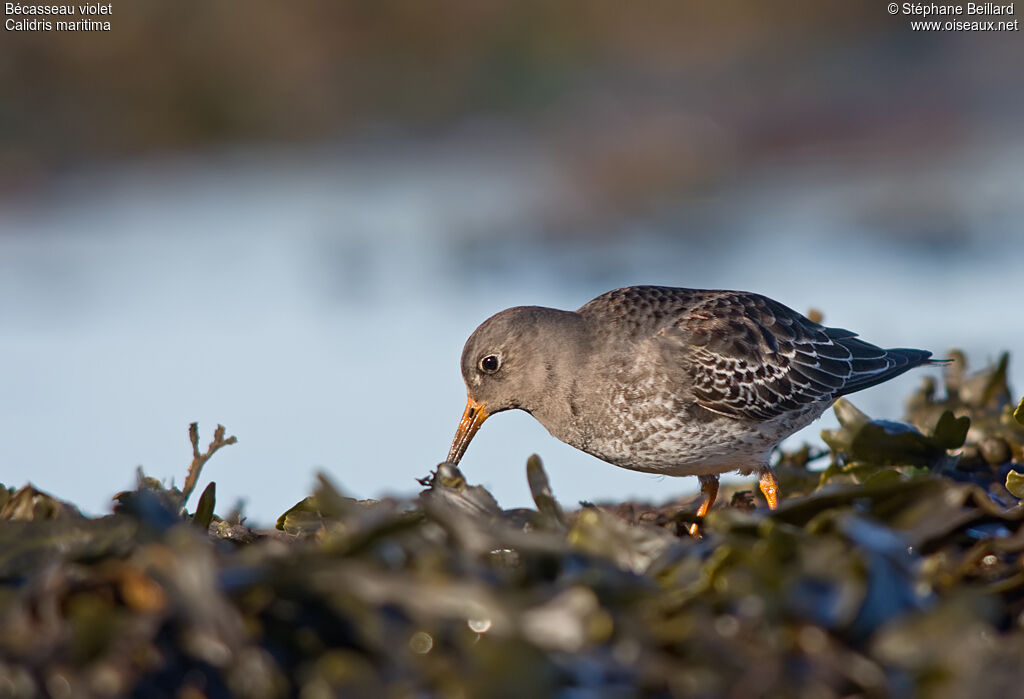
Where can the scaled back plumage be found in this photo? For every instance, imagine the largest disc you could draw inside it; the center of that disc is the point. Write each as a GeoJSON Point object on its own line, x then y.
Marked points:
{"type": "Point", "coordinates": [748, 355]}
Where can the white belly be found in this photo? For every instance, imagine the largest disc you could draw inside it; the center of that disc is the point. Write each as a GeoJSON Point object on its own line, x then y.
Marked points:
{"type": "Point", "coordinates": [694, 442]}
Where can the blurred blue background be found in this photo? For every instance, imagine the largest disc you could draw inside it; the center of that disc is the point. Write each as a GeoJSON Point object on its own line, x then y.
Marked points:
{"type": "Point", "coordinates": [288, 220]}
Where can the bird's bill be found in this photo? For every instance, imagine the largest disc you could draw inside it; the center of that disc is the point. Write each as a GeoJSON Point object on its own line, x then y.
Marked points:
{"type": "Point", "coordinates": [472, 418]}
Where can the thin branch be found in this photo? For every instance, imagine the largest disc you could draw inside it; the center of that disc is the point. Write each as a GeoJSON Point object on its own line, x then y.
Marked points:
{"type": "Point", "coordinates": [198, 459]}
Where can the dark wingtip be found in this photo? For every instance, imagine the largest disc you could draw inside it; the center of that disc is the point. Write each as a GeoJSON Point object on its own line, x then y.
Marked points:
{"type": "Point", "coordinates": [906, 357]}
{"type": "Point", "coordinates": [923, 357]}
{"type": "Point", "coordinates": [905, 360]}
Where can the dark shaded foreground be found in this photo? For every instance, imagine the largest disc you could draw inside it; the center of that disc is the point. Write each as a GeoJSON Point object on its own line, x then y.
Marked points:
{"type": "Point", "coordinates": [893, 568]}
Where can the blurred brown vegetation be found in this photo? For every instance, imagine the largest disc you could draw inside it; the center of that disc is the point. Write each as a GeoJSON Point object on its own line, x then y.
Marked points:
{"type": "Point", "coordinates": [656, 97]}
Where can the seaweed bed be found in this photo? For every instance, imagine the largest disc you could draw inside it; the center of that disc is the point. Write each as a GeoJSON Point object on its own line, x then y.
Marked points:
{"type": "Point", "coordinates": [892, 567]}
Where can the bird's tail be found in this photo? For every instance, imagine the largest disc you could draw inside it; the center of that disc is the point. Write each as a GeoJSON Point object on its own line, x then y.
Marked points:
{"type": "Point", "coordinates": [898, 361]}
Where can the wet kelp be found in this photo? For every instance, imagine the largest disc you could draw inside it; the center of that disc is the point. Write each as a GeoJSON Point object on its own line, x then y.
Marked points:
{"type": "Point", "coordinates": [893, 566]}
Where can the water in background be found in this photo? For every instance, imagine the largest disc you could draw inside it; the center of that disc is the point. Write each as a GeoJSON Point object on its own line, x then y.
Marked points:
{"type": "Point", "coordinates": [316, 304]}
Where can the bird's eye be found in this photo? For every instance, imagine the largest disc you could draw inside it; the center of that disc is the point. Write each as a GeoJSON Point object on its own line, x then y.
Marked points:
{"type": "Point", "coordinates": [490, 364]}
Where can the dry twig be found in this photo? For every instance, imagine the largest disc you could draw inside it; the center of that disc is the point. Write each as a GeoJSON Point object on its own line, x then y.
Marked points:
{"type": "Point", "coordinates": [198, 459]}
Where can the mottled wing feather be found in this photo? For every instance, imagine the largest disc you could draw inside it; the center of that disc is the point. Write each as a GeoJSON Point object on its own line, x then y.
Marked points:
{"type": "Point", "coordinates": [746, 355]}
{"type": "Point", "coordinates": [754, 358]}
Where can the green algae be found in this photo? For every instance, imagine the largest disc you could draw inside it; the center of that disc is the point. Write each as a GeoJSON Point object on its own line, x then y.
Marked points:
{"type": "Point", "coordinates": [893, 566]}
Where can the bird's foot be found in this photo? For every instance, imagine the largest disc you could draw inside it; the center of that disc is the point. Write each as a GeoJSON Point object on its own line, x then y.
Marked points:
{"type": "Point", "coordinates": [770, 488]}
{"type": "Point", "coordinates": [709, 489]}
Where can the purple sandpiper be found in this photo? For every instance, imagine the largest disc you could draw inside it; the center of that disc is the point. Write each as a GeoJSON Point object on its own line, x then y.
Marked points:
{"type": "Point", "coordinates": [679, 382]}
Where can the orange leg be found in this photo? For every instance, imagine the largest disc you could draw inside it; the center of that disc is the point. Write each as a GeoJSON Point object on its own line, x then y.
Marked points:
{"type": "Point", "coordinates": [709, 489]}
{"type": "Point", "coordinates": [770, 488]}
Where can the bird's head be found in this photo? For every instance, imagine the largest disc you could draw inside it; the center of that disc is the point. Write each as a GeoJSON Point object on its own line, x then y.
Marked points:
{"type": "Point", "coordinates": [512, 361]}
